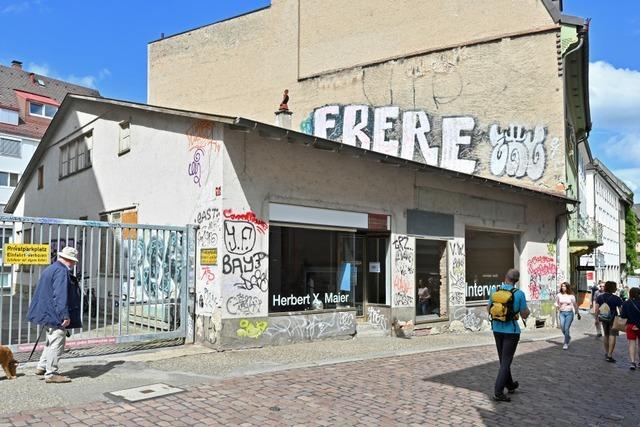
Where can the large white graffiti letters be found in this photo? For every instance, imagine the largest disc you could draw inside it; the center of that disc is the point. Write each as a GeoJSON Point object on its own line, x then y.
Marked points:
{"type": "Point", "coordinates": [518, 151]}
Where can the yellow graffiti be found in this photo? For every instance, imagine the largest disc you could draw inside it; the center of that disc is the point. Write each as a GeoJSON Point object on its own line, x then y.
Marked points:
{"type": "Point", "coordinates": [251, 330]}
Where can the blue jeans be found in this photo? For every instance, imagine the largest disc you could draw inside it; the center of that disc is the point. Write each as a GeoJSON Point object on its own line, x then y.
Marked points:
{"type": "Point", "coordinates": [566, 318]}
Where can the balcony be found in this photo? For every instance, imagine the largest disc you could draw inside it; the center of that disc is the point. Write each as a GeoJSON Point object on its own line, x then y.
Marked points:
{"type": "Point", "coordinates": [585, 234]}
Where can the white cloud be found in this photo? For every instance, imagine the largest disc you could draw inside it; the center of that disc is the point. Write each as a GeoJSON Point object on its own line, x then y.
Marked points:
{"type": "Point", "coordinates": [88, 80]}
{"type": "Point", "coordinates": [41, 69]}
{"type": "Point", "coordinates": [16, 7]}
{"type": "Point", "coordinates": [614, 97]}
{"type": "Point", "coordinates": [615, 111]}
{"type": "Point", "coordinates": [624, 148]}
{"type": "Point", "coordinates": [631, 177]}
{"type": "Point", "coordinates": [21, 6]}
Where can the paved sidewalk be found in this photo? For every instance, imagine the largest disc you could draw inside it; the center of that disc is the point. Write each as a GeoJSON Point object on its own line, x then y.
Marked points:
{"type": "Point", "coordinates": [421, 388]}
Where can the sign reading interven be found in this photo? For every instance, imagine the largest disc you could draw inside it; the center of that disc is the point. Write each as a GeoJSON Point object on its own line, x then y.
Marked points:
{"type": "Point", "coordinates": [27, 254]}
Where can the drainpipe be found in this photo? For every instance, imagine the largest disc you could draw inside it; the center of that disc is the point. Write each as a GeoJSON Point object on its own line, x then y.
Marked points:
{"type": "Point", "coordinates": [556, 238]}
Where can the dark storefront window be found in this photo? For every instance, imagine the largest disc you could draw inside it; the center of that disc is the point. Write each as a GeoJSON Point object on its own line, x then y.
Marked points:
{"type": "Point", "coordinates": [488, 257]}
{"type": "Point", "coordinates": [431, 286]}
{"type": "Point", "coordinates": [311, 269]}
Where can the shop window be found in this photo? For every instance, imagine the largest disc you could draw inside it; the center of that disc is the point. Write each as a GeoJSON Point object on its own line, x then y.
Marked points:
{"type": "Point", "coordinates": [488, 256]}
{"type": "Point", "coordinates": [311, 269]}
{"type": "Point", "coordinates": [431, 283]}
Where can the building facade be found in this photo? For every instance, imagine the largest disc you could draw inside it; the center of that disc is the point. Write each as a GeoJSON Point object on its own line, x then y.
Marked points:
{"type": "Point", "coordinates": [28, 102]}
{"type": "Point", "coordinates": [607, 199]}
{"type": "Point", "coordinates": [497, 90]}
{"type": "Point", "coordinates": [311, 238]}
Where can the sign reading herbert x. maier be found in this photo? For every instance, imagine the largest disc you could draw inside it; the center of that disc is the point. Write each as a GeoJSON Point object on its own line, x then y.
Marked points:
{"type": "Point", "coordinates": [27, 254]}
{"type": "Point", "coordinates": [326, 298]}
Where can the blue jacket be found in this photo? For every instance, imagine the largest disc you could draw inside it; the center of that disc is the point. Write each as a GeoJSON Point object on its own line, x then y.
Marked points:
{"type": "Point", "coordinates": [57, 298]}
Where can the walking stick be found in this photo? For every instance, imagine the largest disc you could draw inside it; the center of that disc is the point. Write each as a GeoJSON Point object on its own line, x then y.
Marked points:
{"type": "Point", "coordinates": [36, 344]}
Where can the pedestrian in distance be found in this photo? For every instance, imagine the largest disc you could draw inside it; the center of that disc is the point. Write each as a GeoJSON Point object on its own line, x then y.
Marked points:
{"type": "Point", "coordinates": [566, 305]}
{"type": "Point", "coordinates": [631, 312]}
{"type": "Point", "coordinates": [506, 305]}
{"type": "Point", "coordinates": [56, 308]}
{"type": "Point", "coordinates": [607, 308]}
{"type": "Point", "coordinates": [598, 291]}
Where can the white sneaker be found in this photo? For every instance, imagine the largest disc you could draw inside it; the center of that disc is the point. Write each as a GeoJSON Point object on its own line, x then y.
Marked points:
{"type": "Point", "coordinates": [565, 347]}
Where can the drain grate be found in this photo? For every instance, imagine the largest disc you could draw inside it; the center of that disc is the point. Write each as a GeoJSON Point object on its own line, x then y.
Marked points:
{"type": "Point", "coordinates": [145, 392]}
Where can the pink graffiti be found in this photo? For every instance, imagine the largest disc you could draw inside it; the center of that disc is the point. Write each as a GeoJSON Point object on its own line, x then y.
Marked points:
{"type": "Point", "coordinates": [208, 274]}
{"type": "Point", "coordinates": [542, 271]}
{"type": "Point", "coordinates": [401, 285]}
{"type": "Point", "coordinates": [249, 216]}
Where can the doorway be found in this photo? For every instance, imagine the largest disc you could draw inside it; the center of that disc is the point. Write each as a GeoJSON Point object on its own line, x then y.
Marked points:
{"type": "Point", "coordinates": [369, 257]}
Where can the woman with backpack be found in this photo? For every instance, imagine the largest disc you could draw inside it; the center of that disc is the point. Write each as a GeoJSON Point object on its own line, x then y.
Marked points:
{"type": "Point", "coordinates": [607, 306]}
{"type": "Point", "coordinates": [631, 312]}
{"type": "Point", "coordinates": [566, 304]}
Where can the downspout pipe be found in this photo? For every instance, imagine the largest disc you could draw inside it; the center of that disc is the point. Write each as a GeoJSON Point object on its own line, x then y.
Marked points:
{"type": "Point", "coordinates": [566, 213]}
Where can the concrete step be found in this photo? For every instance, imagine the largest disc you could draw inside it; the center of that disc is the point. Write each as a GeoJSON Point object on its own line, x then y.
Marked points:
{"type": "Point", "coordinates": [368, 330]}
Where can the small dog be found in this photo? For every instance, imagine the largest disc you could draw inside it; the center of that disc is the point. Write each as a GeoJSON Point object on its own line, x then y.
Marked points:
{"type": "Point", "coordinates": [8, 363]}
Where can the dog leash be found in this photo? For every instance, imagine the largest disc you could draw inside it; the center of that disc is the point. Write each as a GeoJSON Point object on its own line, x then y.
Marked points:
{"type": "Point", "coordinates": [36, 344]}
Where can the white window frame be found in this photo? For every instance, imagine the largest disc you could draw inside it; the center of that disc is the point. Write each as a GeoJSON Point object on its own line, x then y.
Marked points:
{"type": "Point", "coordinates": [44, 109]}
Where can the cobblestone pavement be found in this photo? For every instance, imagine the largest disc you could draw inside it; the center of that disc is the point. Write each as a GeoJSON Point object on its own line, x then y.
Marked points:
{"type": "Point", "coordinates": [449, 387]}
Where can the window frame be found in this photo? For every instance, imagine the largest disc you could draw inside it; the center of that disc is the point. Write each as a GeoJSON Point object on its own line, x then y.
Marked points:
{"type": "Point", "coordinates": [16, 140]}
{"type": "Point", "coordinates": [124, 139]}
{"type": "Point", "coordinates": [40, 177]}
{"type": "Point", "coordinates": [44, 110]}
{"type": "Point", "coordinates": [70, 154]}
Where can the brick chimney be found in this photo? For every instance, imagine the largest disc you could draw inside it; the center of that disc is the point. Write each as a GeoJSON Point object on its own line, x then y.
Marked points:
{"type": "Point", "coordinates": [16, 64]}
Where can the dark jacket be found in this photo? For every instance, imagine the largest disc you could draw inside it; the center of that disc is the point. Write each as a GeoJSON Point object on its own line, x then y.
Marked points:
{"type": "Point", "coordinates": [631, 311]}
{"type": "Point", "coordinates": [57, 298]}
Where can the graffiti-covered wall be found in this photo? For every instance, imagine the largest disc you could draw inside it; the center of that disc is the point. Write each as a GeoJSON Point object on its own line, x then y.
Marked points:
{"type": "Point", "coordinates": [521, 152]}
{"type": "Point", "coordinates": [481, 96]}
{"type": "Point", "coordinates": [403, 264]}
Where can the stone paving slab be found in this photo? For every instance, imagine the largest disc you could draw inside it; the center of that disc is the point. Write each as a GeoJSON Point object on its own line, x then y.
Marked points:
{"type": "Point", "coordinates": [450, 386]}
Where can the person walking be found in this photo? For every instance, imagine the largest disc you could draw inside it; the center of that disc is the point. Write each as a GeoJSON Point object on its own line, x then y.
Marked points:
{"type": "Point", "coordinates": [566, 305]}
{"type": "Point", "coordinates": [598, 291]}
{"type": "Point", "coordinates": [631, 312]}
{"type": "Point", "coordinates": [506, 305]}
{"type": "Point", "coordinates": [56, 308]}
{"type": "Point", "coordinates": [607, 307]}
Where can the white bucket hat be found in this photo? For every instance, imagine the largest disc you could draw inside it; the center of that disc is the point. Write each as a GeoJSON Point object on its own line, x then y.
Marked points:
{"type": "Point", "coordinates": [69, 253]}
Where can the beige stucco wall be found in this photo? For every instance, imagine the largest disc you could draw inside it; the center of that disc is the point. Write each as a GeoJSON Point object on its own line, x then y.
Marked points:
{"type": "Point", "coordinates": [499, 76]}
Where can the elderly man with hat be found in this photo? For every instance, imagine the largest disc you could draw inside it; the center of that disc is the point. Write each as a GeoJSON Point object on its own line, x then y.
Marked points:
{"type": "Point", "coordinates": [56, 307]}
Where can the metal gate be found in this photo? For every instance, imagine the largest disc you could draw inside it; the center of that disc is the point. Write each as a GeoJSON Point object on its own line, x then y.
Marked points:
{"type": "Point", "coordinates": [133, 280]}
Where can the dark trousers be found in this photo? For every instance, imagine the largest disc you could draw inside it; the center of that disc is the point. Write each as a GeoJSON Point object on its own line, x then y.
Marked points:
{"type": "Point", "coordinates": [506, 344]}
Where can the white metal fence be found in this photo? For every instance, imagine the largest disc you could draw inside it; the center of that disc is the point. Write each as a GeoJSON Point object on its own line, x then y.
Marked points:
{"type": "Point", "coordinates": [133, 279]}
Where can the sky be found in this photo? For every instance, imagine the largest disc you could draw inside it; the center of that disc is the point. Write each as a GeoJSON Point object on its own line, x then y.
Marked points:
{"type": "Point", "coordinates": [103, 44]}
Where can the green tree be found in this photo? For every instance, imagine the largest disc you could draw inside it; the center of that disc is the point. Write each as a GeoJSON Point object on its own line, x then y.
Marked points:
{"type": "Point", "coordinates": [631, 238]}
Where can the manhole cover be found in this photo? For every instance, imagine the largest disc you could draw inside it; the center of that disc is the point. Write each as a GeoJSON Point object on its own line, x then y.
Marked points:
{"type": "Point", "coordinates": [145, 392]}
